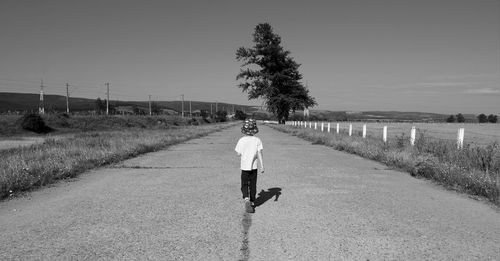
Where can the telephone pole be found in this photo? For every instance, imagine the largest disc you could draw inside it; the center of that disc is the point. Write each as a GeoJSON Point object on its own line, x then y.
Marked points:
{"type": "Point", "coordinates": [41, 109]}
{"type": "Point", "coordinates": [211, 113]}
{"type": "Point", "coordinates": [182, 105]}
{"type": "Point", "coordinates": [150, 105]}
{"type": "Point", "coordinates": [107, 100]}
{"type": "Point", "coordinates": [67, 98]}
{"type": "Point", "coordinates": [190, 113]}
{"type": "Point", "coordinates": [216, 107]}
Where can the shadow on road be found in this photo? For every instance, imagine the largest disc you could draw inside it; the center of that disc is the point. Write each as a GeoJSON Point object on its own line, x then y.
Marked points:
{"type": "Point", "coordinates": [266, 195]}
{"type": "Point", "coordinates": [246, 222]}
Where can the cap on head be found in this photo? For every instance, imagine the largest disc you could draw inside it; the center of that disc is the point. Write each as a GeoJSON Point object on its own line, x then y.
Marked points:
{"type": "Point", "coordinates": [249, 127]}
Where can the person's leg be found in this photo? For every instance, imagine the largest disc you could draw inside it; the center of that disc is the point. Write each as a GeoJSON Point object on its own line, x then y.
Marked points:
{"type": "Point", "coordinates": [253, 185]}
{"type": "Point", "coordinates": [244, 183]}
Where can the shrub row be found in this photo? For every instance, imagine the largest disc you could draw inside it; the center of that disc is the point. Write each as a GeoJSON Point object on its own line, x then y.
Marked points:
{"type": "Point", "coordinates": [14, 125]}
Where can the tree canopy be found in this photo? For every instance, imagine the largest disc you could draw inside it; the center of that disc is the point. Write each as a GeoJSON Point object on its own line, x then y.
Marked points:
{"type": "Point", "coordinates": [492, 118]}
{"type": "Point", "coordinates": [270, 73]}
{"type": "Point", "coordinates": [482, 118]}
{"type": "Point", "coordinates": [451, 119]}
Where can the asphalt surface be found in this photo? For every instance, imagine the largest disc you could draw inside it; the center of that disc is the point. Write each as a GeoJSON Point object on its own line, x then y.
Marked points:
{"type": "Point", "coordinates": [184, 203]}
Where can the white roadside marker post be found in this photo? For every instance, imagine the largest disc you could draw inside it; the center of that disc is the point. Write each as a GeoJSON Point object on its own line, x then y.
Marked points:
{"type": "Point", "coordinates": [315, 125]}
{"type": "Point", "coordinates": [350, 129]}
{"type": "Point", "coordinates": [322, 124]}
{"type": "Point", "coordinates": [338, 128]}
{"type": "Point", "coordinates": [460, 138]}
{"type": "Point", "coordinates": [412, 136]}
{"type": "Point", "coordinates": [384, 135]}
{"type": "Point", "coordinates": [310, 125]}
{"type": "Point", "coordinates": [364, 131]}
{"type": "Point", "coordinates": [328, 127]}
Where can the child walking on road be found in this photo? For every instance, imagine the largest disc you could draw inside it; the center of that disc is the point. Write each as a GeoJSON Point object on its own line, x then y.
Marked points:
{"type": "Point", "coordinates": [249, 148]}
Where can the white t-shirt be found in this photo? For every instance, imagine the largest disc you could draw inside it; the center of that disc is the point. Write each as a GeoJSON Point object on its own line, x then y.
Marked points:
{"type": "Point", "coordinates": [247, 147]}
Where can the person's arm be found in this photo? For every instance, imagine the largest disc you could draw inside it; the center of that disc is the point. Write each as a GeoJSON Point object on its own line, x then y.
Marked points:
{"type": "Point", "coordinates": [261, 160]}
{"type": "Point", "coordinates": [238, 148]}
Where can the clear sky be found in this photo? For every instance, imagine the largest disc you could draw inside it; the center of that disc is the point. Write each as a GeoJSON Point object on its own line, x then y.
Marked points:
{"type": "Point", "coordinates": [407, 55]}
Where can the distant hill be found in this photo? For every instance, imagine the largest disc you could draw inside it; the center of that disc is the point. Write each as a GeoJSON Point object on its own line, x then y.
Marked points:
{"type": "Point", "coordinates": [24, 102]}
{"type": "Point", "coordinates": [27, 102]}
{"type": "Point", "coordinates": [380, 116]}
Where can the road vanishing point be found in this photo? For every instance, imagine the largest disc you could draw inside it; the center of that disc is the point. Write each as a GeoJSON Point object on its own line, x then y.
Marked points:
{"type": "Point", "coordinates": [184, 203]}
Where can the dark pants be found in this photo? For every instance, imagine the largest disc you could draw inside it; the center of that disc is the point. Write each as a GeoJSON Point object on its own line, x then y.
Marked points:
{"type": "Point", "coordinates": [249, 184]}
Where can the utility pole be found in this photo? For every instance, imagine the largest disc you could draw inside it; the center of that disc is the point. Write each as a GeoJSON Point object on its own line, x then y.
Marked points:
{"type": "Point", "coordinates": [67, 98]}
{"type": "Point", "coordinates": [216, 107]}
{"type": "Point", "coordinates": [190, 113]}
{"type": "Point", "coordinates": [150, 105]}
{"type": "Point", "coordinates": [182, 105]}
{"type": "Point", "coordinates": [107, 100]}
{"type": "Point", "coordinates": [41, 109]}
{"type": "Point", "coordinates": [211, 113]}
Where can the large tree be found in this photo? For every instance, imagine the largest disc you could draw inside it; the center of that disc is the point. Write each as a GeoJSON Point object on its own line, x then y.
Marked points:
{"type": "Point", "coordinates": [268, 72]}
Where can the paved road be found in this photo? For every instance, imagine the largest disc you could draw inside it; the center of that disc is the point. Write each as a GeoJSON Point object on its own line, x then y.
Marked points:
{"type": "Point", "coordinates": [184, 204]}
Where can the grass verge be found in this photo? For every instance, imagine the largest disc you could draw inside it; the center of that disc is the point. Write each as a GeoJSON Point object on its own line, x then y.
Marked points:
{"type": "Point", "coordinates": [474, 170]}
{"type": "Point", "coordinates": [25, 168]}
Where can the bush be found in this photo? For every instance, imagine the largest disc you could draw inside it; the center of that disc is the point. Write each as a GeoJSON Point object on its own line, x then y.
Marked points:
{"type": "Point", "coordinates": [240, 115]}
{"type": "Point", "coordinates": [492, 118]}
{"type": "Point", "coordinates": [221, 116]}
{"type": "Point", "coordinates": [193, 121]}
{"type": "Point", "coordinates": [60, 120]}
{"type": "Point", "coordinates": [35, 123]}
{"type": "Point", "coordinates": [482, 118]}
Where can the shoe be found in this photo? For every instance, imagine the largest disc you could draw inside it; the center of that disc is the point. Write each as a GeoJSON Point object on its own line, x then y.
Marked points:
{"type": "Point", "coordinates": [248, 207]}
